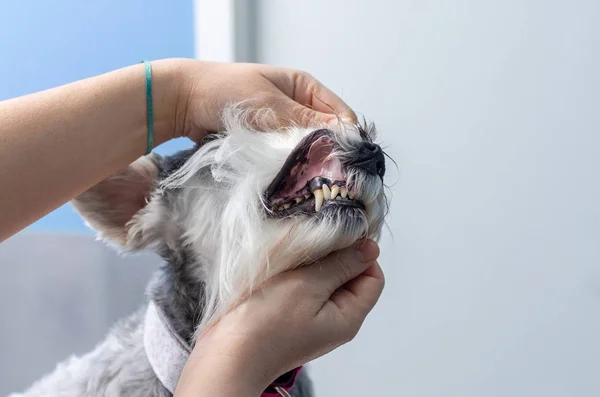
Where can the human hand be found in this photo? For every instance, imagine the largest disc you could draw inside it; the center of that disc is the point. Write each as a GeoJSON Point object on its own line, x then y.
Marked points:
{"type": "Point", "coordinates": [206, 88]}
{"type": "Point", "coordinates": [295, 317]}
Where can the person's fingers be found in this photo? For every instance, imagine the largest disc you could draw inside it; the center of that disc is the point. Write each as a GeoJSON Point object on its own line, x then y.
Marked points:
{"type": "Point", "coordinates": [323, 100]}
{"type": "Point", "coordinates": [288, 112]}
{"type": "Point", "coordinates": [357, 297]}
{"type": "Point", "coordinates": [313, 94]}
{"type": "Point", "coordinates": [335, 270]}
{"type": "Point", "coordinates": [317, 102]}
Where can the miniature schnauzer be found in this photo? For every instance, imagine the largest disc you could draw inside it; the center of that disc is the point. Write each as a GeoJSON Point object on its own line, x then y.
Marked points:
{"type": "Point", "coordinates": [225, 216]}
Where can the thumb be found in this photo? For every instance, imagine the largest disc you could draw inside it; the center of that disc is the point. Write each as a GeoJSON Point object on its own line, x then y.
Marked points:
{"type": "Point", "coordinates": [335, 270]}
{"type": "Point", "coordinates": [358, 296]}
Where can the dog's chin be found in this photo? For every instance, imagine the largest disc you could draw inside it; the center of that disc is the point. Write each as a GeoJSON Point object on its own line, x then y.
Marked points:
{"type": "Point", "coordinates": [346, 219]}
{"type": "Point", "coordinates": [335, 227]}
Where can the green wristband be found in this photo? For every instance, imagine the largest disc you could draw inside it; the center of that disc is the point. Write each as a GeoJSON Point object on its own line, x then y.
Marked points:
{"type": "Point", "coordinates": [149, 106]}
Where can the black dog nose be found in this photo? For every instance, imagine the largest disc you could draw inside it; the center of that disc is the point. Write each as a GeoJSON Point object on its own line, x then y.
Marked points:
{"type": "Point", "coordinates": [370, 158]}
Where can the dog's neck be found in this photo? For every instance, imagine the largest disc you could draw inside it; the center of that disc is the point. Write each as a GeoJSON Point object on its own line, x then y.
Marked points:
{"type": "Point", "coordinates": [176, 305]}
{"type": "Point", "coordinates": [178, 293]}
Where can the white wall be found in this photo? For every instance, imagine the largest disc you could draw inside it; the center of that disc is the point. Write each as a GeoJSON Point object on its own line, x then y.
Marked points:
{"type": "Point", "coordinates": [490, 109]}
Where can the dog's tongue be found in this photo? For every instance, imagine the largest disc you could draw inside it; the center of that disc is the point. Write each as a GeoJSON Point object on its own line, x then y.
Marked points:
{"type": "Point", "coordinates": [318, 163]}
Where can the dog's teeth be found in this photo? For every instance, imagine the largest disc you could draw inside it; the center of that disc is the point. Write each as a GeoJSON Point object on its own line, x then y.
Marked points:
{"type": "Point", "coordinates": [318, 199]}
{"type": "Point", "coordinates": [335, 189]}
{"type": "Point", "coordinates": [338, 198]}
{"type": "Point", "coordinates": [298, 200]}
{"type": "Point", "coordinates": [306, 196]}
{"type": "Point", "coordinates": [287, 205]}
{"type": "Point", "coordinates": [344, 192]}
{"type": "Point", "coordinates": [350, 195]}
{"type": "Point", "coordinates": [326, 192]}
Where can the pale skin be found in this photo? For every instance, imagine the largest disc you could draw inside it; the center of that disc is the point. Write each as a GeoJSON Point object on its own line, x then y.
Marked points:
{"type": "Point", "coordinates": [58, 143]}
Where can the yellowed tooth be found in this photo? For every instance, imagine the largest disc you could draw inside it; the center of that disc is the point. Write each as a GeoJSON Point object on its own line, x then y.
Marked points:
{"type": "Point", "coordinates": [338, 198]}
{"type": "Point", "coordinates": [287, 205]}
{"type": "Point", "coordinates": [318, 199]}
{"type": "Point", "coordinates": [335, 189]}
{"type": "Point", "coordinates": [350, 195]}
{"type": "Point", "coordinates": [344, 192]}
{"type": "Point", "coordinates": [298, 200]}
{"type": "Point", "coordinates": [326, 192]}
{"type": "Point", "coordinates": [306, 196]}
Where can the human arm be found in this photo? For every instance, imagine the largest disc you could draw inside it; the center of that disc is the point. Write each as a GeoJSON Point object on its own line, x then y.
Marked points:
{"type": "Point", "coordinates": [58, 143]}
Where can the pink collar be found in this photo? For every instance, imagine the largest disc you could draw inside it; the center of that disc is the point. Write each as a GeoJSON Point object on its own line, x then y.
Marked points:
{"type": "Point", "coordinates": [167, 354]}
{"type": "Point", "coordinates": [285, 382]}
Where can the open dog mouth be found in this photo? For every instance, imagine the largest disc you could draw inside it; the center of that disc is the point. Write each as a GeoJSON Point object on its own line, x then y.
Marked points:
{"type": "Point", "coordinates": [310, 180]}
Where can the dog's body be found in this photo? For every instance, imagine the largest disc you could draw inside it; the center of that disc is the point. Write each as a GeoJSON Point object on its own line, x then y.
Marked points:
{"type": "Point", "coordinates": [225, 216]}
{"type": "Point", "coordinates": [119, 367]}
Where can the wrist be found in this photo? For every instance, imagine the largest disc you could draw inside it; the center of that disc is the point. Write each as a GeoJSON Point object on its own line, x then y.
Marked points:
{"type": "Point", "coordinates": [219, 374]}
{"type": "Point", "coordinates": [239, 357]}
{"type": "Point", "coordinates": [169, 104]}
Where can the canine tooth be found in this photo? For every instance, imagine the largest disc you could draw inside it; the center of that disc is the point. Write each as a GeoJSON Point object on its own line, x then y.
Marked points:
{"type": "Point", "coordinates": [326, 192]}
{"type": "Point", "coordinates": [335, 189]}
{"type": "Point", "coordinates": [344, 192]}
{"type": "Point", "coordinates": [318, 199]}
{"type": "Point", "coordinates": [287, 205]}
{"type": "Point", "coordinates": [298, 200]}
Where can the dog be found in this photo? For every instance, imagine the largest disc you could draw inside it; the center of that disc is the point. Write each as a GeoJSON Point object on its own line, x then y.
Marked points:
{"type": "Point", "coordinates": [225, 215]}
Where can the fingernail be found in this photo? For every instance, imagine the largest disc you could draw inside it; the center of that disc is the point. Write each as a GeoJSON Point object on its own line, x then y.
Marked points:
{"type": "Point", "coordinates": [366, 251]}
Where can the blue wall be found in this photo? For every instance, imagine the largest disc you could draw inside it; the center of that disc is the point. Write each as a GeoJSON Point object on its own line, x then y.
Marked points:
{"type": "Point", "coordinates": [45, 44]}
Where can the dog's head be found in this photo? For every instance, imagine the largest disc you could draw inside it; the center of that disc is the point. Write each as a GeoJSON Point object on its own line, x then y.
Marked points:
{"type": "Point", "coordinates": [245, 205]}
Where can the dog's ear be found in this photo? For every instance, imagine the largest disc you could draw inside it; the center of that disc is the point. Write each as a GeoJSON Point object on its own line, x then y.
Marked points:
{"type": "Point", "coordinates": [115, 207]}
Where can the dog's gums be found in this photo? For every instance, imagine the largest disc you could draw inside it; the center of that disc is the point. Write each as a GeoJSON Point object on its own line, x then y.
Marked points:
{"type": "Point", "coordinates": [311, 179]}
{"type": "Point", "coordinates": [324, 193]}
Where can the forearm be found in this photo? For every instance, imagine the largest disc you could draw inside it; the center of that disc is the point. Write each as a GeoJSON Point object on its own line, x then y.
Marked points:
{"type": "Point", "coordinates": [57, 143]}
